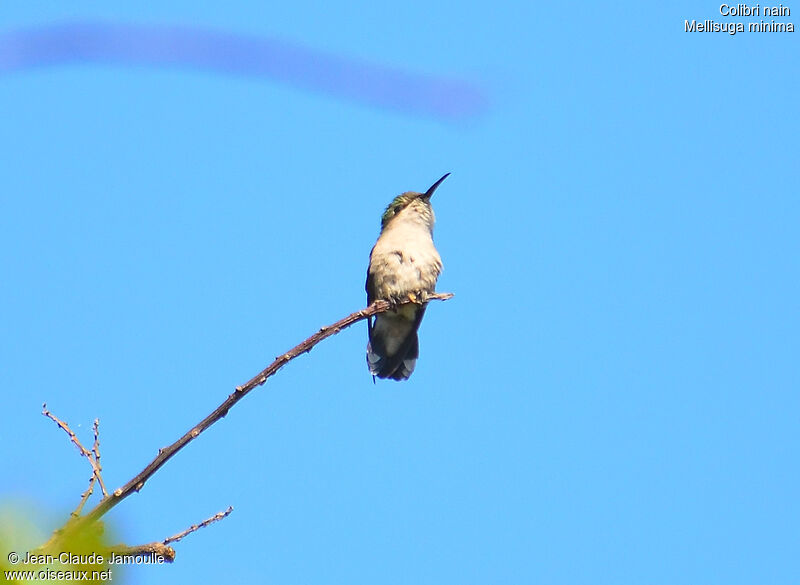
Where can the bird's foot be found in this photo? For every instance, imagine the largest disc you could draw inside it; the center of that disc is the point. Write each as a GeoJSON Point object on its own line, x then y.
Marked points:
{"type": "Point", "coordinates": [416, 297]}
{"type": "Point", "coordinates": [419, 297]}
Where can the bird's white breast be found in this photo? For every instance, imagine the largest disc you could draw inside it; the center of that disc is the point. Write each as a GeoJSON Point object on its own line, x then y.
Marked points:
{"type": "Point", "coordinates": [404, 260]}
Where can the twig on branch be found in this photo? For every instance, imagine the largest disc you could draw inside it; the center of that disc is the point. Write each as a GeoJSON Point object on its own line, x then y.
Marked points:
{"type": "Point", "coordinates": [161, 549]}
{"type": "Point", "coordinates": [96, 452]}
{"type": "Point", "coordinates": [166, 453]}
{"type": "Point", "coordinates": [84, 497]}
{"type": "Point", "coordinates": [94, 459]}
{"type": "Point", "coordinates": [195, 527]}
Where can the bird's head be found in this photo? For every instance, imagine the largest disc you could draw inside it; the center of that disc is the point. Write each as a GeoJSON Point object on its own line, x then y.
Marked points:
{"type": "Point", "coordinates": [411, 206]}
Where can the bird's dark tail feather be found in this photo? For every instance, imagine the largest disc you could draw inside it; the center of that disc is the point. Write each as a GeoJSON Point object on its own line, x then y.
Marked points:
{"type": "Point", "coordinates": [396, 367]}
{"type": "Point", "coordinates": [400, 365]}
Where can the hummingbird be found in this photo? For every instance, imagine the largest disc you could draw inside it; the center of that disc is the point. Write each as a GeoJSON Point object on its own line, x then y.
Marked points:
{"type": "Point", "coordinates": [403, 266]}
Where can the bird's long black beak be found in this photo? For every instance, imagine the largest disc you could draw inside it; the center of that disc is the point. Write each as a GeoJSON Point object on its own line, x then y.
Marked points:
{"type": "Point", "coordinates": [430, 191]}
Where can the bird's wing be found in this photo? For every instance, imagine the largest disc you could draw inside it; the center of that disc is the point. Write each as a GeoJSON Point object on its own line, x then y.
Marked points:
{"type": "Point", "coordinates": [370, 285]}
{"type": "Point", "coordinates": [370, 288]}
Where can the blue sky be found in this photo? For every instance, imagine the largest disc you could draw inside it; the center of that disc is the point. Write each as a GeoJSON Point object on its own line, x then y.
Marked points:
{"type": "Point", "coordinates": [612, 395]}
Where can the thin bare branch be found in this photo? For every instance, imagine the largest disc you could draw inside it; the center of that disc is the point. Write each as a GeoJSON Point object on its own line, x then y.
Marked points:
{"type": "Point", "coordinates": [65, 427]}
{"type": "Point", "coordinates": [161, 549]}
{"type": "Point", "coordinates": [195, 527]}
{"type": "Point", "coordinates": [166, 453]}
{"type": "Point", "coordinates": [96, 452]}
{"type": "Point", "coordinates": [84, 497]}
{"type": "Point", "coordinates": [83, 450]}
